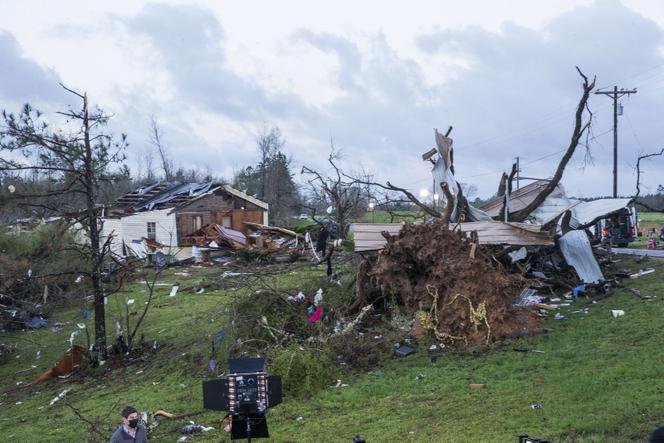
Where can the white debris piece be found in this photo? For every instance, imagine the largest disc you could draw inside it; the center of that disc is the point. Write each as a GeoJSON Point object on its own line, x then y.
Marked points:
{"type": "Point", "coordinates": [174, 290]}
{"type": "Point", "coordinates": [518, 255]}
{"type": "Point", "coordinates": [59, 397]}
{"type": "Point", "coordinates": [72, 337]}
{"type": "Point", "coordinates": [318, 298]}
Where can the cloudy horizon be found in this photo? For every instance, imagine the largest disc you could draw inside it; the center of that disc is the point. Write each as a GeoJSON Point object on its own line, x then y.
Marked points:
{"type": "Point", "coordinates": [376, 78]}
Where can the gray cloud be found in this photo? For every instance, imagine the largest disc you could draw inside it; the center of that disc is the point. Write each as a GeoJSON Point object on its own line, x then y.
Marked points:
{"type": "Point", "coordinates": [24, 80]}
{"type": "Point", "coordinates": [350, 59]}
{"type": "Point", "coordinates": [507, 93]}
{"type": "Point", "coordinates": [190, 43]}
{"type": "Point", "coordinates": [516, 96]}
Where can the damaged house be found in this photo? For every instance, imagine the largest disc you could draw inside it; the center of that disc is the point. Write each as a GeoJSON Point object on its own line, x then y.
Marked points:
{"type": "Point", "coordinates": [164, 214]}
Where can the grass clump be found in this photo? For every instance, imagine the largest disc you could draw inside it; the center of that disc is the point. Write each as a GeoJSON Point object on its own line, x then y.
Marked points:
{"type": "Point", "coordinates": [304, 371]}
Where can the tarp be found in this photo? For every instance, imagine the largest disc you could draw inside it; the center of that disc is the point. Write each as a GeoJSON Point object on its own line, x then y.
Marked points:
{"type": "Point", "coordinates": [578, 253]}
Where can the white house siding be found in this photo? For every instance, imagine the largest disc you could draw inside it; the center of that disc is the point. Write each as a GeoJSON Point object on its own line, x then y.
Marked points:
{"type": "Point", "coordinates": [135, 227]}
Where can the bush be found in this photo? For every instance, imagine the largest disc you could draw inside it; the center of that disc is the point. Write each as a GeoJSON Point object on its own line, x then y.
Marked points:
{"type": "Point", "coordinates": [304, 371]}
{"type": "Point", "coordinates": [30, 261]}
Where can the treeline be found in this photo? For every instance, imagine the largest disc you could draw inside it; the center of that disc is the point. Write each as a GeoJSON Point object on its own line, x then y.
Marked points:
{"type": "Point", "coordinates": [270, 179]}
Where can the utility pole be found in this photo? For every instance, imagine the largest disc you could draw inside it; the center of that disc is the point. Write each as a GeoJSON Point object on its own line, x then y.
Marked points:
{"type": "Point", "coordinates": [615, 95]}
{"type": "Point", "coordinates": [518, 171]}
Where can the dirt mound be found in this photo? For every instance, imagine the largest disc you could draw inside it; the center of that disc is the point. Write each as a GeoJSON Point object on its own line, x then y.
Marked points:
{"type": "Point", "coordinates": [451, 286]}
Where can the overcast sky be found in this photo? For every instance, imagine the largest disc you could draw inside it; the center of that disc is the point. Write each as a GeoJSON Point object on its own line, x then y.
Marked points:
{"type": "Point", "coordinates": [375, 76]}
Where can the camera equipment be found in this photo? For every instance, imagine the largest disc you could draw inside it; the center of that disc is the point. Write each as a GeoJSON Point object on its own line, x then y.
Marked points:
{"type": "Point", "coordinates": [526, 439]}
{"type": "Point", "coordinates": [245, 394]}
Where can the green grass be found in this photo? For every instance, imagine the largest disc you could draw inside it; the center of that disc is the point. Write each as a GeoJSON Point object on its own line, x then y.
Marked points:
{"type": "Point", "coordinates": [647, 220]}
{"type": "Point", "coordinates": [386, 217]}
{"type": "Point", "coordinates": [599, 379]}
{"type": "Point", "coordinates": [651, 217]}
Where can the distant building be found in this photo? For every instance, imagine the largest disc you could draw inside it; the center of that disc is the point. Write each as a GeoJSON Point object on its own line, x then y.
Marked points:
{"type": "Point", "coordinates": [167, 212]}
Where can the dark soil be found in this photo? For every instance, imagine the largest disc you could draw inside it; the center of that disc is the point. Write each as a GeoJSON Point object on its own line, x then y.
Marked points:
{"type": "Point", "coordinates": [459, 298]}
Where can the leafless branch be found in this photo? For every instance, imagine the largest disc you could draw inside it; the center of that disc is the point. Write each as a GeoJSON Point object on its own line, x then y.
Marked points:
{"type": "Point", "coordinates": [638, 170]}
{"type": "Point", "coordinates": [579, 128]}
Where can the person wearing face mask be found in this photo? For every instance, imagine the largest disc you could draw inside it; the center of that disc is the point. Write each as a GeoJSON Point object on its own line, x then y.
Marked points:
{"type": "Point", "coordinates": [130, 430]}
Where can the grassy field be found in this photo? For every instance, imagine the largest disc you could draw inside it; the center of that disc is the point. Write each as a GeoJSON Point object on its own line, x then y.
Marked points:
{"type": "Point", "coordinates": [647, 221]}
{"type": "Point", "coordinates": [386, 217]}
{"type": "Point", "coordinates": [597, 379]}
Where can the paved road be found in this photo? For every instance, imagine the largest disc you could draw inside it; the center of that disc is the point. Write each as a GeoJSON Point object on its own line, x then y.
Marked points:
{"type": "Point", "coordinates": [649, 252]}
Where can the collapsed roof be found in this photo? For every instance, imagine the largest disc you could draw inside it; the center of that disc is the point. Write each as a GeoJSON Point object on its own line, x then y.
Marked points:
{"type": "Point", "coordinates": [555, 205]}
{"type": "Point", "coordinates": [163, 195]}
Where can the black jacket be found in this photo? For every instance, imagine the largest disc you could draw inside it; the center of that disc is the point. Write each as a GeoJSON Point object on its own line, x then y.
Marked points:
{"type": "Point", "coordinates": [120, 436]}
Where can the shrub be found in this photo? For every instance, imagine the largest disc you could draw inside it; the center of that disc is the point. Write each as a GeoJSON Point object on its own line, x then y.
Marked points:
{"type": "Point", "coordinates": [304, 371]}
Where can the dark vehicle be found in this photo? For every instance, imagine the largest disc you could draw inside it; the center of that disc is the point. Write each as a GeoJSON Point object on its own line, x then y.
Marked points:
{"type": "Point", "coordinates": [618, 229]}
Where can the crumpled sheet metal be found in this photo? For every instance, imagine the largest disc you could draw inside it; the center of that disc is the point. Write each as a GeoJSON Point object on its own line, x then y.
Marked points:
{"type": "Point", "coordinates": [443, 174]}
{"type": "Point", "coordinates": [586, 212]}
{"type": "Point", "coordinates": [190, 189]}
{"type": "Point", "coordinates": [578, 253]}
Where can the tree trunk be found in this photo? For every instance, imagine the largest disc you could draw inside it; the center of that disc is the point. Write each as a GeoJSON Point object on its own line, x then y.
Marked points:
{"type": "Point", "coordinates": [95, 253]}
{"type": "Point", "coordinates": [579, 129]}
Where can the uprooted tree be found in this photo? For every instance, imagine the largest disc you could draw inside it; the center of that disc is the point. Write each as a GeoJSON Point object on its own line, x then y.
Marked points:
{"type": "Point", "coordinates": [76, 158]}
{"type": "Point", "coordinates": [457, 203]}
{"type": "Point", "coordinates": [456, 289]}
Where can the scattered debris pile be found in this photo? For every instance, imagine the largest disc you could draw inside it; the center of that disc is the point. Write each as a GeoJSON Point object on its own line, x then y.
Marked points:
{"type": "Point", "coordinates": [216, 236]}
{"type": "Point", "coordinates": [273, 237]}
{"type": "Point", "coordinates": [450, 285]}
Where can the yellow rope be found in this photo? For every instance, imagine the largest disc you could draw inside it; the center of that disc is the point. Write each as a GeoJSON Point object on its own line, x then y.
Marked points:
{"type": "Point", "coordinates": [477, 316]}
{"type": "Point", "coordinates": [430, 320]}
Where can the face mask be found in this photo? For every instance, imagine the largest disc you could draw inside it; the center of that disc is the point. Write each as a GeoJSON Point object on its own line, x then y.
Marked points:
{"type": "Point", "coordinates": [133, 423]}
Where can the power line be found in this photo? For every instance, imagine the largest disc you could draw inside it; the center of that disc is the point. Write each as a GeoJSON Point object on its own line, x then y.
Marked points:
{"type": "Point", "coordinates": [615, 95]}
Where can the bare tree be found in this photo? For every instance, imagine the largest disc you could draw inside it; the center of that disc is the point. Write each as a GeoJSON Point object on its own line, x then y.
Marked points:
{"type": "Point", "coordinates": [77, 161]}
{"type": "Point", "coordinates": [129, 269]}
{"type": "Point", "coordinates": [343, 196]}
{"type": "Point", "coordinates": [505, 185]}
{"type": "Point", "coordinates": [148, 161]}
{"type": "Point", "coordinates": [580, 128]}
{"type": "Point", "coordinates": [157, 140]}
{"type": "Point", "coordinates": [269, 144]}
{"type": "Point", "coordinates": [638, 180]}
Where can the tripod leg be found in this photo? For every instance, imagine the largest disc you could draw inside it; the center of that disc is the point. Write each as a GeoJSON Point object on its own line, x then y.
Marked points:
{"type": "Point", "coordinates": [248, 429]}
